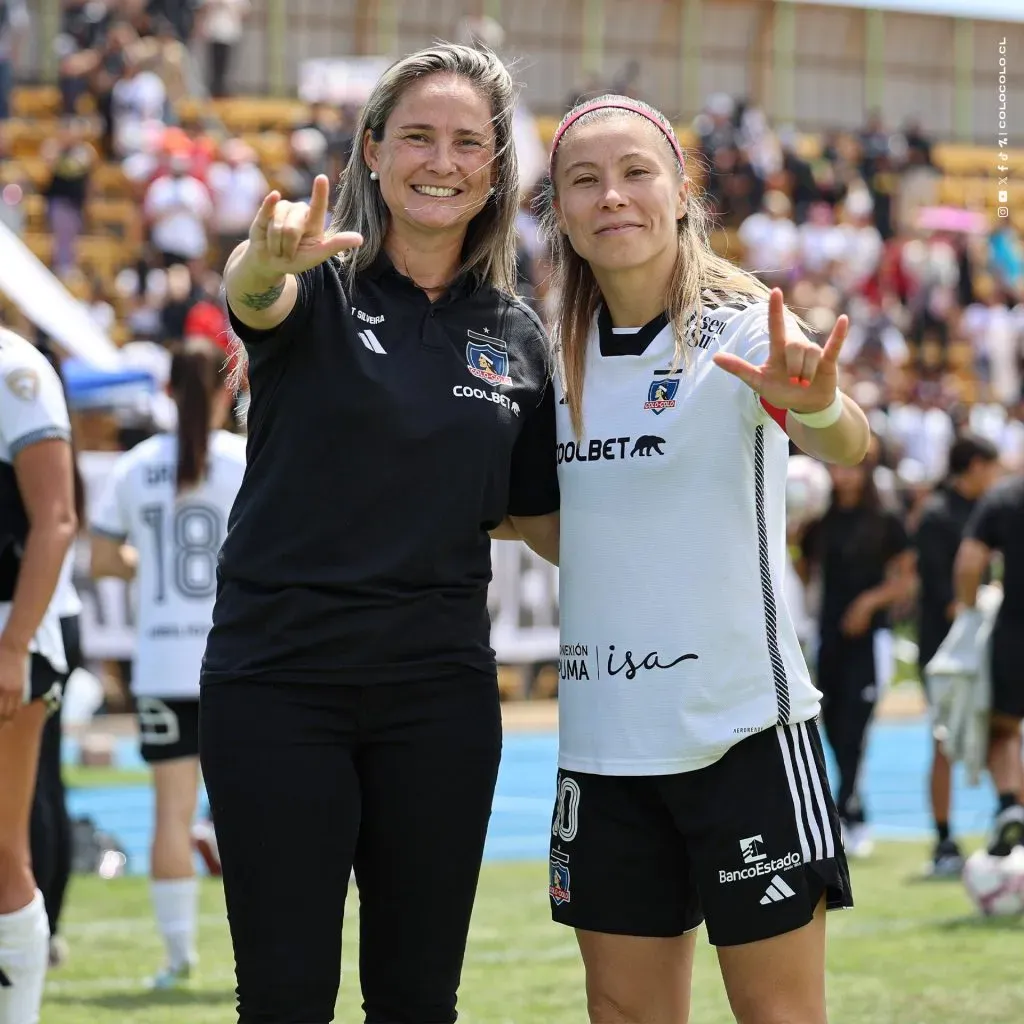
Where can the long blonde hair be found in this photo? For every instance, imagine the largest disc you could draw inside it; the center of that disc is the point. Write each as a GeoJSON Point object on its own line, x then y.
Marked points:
{"type": "Point", "coordinates": [698, 271]}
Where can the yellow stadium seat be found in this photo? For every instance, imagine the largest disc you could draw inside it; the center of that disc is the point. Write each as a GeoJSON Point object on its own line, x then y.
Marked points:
{"type": "Point", "coordinates": [109, 180]}
{"type": "Point", "coordinates": [35, 101]}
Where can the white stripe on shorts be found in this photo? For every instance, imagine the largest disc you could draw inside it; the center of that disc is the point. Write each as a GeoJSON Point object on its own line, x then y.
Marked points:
{"type": "Point", "coordinates": [819, 797]}
{"type": "Point", "coordinates": [810, 810]}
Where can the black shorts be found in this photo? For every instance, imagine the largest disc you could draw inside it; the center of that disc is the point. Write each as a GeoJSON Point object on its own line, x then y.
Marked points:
{"type": "Point", "coordinates": [44, 683]}
{"type": "Point", "coordinates": [168, 728]}
{"type": "Point", "coordinates": [1007, 671]}
{"type": "Point", "coordinates": [751, 842]}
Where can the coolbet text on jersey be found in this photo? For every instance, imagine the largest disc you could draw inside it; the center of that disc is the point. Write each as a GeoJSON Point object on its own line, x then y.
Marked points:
{"type": "Point", "coordinates": [676, 643]}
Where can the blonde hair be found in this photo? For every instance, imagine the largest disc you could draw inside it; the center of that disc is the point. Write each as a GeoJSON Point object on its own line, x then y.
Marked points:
{"type": "Point", "coordinates": [489, 248]}
{"type": "Point", "coordinates": [699, 271]}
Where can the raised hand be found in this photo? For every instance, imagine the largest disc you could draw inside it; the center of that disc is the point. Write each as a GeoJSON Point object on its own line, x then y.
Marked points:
{"type": "Point", "coordinates": [288, 238]}
{"type": "Point", "coordinates": [798, 374]}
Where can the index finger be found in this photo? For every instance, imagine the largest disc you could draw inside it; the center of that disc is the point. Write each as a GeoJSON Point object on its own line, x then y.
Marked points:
{"type": "Point", "coordinates": [776, 324]}
{"type": "Point", "coordinates": [318, 204]}
{"type": "Point", "coordinates": [266, 210]}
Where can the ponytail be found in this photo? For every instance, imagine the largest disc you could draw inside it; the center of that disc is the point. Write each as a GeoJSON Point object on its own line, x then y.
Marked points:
{"type": "Point", "coordinates": [196, 376]}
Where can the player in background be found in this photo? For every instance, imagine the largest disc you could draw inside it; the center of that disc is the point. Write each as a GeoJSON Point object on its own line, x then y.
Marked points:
{"type": "Point", "coordinates": [161, 522]}
{"type": "Point", "coordinates": [973, 467]}
{"type": "Point", "coordinates": [997, 524]}
{"type": "Point", "coordinates": [51, 823]}
{"type": "Point", "coordinates": [688, 751]}
{"type": "Point", "coordinates": [37, 526]}
{"type": "Point", "coordinates": [863, 556]}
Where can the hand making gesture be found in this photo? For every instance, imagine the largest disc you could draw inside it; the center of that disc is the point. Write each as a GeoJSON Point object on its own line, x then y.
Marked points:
{"type": "Point", "coordinates": [288, 238]}
{"type": "Point", "coordinates": [799, 374]}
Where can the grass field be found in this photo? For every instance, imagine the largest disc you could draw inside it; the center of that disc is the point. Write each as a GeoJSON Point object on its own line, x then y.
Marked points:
{"type": "Point", "coordinates": [910, 953]}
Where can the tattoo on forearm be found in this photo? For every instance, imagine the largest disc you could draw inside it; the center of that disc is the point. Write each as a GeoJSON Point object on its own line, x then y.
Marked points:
{"type": "Point", "coordinates": [263, 300]}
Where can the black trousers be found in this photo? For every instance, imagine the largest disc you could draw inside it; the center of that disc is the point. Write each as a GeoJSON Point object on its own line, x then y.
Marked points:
{"type": "Point", "coordinates": [848, 679]}
{"type": "Point", "coordinates": [306, 781]}
{"type": "Point", "coordinates": [50, 826]}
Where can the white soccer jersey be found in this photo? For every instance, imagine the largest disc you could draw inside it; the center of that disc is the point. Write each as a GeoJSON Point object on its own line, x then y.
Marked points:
{"type": "Point", "coordinates": [32, 409]}
{"type": "Point", "coordinates": [178, 540]}
{"type": "Point", "coordinates": [676, 641]}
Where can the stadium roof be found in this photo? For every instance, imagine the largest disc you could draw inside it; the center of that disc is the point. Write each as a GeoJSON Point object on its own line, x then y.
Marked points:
{"type": "Point", "coordinates": [998, 10]}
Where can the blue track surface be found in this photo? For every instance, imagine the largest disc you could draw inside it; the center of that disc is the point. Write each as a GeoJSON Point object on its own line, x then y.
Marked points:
{"type": "Point", "coordinates": [894, 787]}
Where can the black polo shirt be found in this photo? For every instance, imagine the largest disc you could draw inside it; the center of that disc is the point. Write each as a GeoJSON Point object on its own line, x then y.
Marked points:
{"type": "Point", "coordinates": [998, 522]}
{"type": "Point", "coordinates": [387, 435]}
{"type": "Point", "coordinates": [853, 546]}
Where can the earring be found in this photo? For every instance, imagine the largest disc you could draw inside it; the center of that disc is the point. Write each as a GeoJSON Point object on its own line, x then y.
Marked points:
{"type": "Point", "coordinates": [374, 176]}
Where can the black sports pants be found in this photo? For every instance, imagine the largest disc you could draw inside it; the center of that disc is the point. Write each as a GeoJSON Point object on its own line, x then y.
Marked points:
{"type": "Point", "coordinates": [848, 680]}
{"type": "Point", "coordinates": [307, 780]}
{"type": "Point", "coordinates": [50, 829]}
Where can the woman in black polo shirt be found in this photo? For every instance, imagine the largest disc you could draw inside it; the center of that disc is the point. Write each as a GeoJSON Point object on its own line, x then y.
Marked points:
{"type": "Point", "coordinates": [400, 411]}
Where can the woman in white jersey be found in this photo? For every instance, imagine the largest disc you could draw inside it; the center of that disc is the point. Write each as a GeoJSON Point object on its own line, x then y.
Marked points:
{"type": "Point", "coordinates": [691, 780]}
{"type": "Point", "coordinates": [37, 524]}
{"type": "Point", "coordinates": [51, 823]}
{"type": "Point", "coordinates": [161, 522]}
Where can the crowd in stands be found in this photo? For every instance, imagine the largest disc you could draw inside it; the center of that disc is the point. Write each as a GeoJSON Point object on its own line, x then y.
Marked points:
{"type": "Point", "coordinates": [853, 224]}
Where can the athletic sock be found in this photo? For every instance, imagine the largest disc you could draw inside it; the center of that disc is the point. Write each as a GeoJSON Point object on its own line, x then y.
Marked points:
{"type": "Point", "coordinates": [942, 827]}
{"type": "Point", "coordinates": [1007, 800]}
{"type": "Point", "coordinates": [24, 956]}
{"type": "Point", "coordinates": [176, 903]}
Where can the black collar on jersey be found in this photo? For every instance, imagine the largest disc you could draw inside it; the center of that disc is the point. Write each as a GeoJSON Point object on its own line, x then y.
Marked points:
{"type": "Point", "coordinates": [382, 268]}
{"type": "Point", "coordinates": [627, 344]}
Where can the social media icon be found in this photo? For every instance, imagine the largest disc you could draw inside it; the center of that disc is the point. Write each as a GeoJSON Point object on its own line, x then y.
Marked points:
{"type": "Point", "coordinates": [1003, 197]}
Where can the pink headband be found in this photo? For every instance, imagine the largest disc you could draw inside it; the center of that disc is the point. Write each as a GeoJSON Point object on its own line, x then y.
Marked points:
{"type": "Point", "coordinates": [615, 105]}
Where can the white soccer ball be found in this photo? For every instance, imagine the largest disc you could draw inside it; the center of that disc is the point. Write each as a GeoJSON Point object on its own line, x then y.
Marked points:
{"type": "Point", "coordinates": [995, 885]}
{"type": "Point", "coordinates": [808, 490]}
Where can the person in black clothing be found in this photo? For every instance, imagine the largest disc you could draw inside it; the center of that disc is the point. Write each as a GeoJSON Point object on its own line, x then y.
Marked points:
{"type": "Point", "coordinates": [973, 465]}
{"type": "Point", "coordinates": [71, 159]}
{"type": "Point", "coordinates": [997, 524]}
{"type": "Point", "coordinates": [865, 560]}
{"type": "Point", "coordinates": [401, 410]}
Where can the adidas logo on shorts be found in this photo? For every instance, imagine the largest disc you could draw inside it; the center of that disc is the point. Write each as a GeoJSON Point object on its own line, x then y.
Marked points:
{"type": "Point", "coordinates": [777, 890]}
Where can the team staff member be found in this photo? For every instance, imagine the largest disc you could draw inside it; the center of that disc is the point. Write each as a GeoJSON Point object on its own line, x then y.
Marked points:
{"type": "Point", "coordinates": [973, 465]}
{"type": "Point", "coordinates": [401, 409]}
{"type": "Point", "coordinates": [866, 564]}
{"type": "Point", "coordinates": [161, 522]}
{"type": "Point", "coordinates": [688, 753]}
{"type": "Point", "coordinates": [37, 526]}
{"type": "Point", "coordinates": [997, 524]}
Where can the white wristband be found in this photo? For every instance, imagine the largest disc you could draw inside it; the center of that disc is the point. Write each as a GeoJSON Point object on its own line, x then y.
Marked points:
{"type": "Point", "coordinates": [823, 417]}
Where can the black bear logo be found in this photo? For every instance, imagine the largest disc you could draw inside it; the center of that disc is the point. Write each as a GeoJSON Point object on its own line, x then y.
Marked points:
{"type": "Point", "coordinates": [647, 443]}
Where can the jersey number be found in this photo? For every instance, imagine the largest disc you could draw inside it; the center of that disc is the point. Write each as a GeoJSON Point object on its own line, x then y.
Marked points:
{"type": "Point", "coordinates": [195, 533]}
{"type": "Point", "coordinates": [567, 811]}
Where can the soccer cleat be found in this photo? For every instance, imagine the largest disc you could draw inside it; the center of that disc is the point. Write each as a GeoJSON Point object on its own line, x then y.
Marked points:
{"type": "Point", "coordinates": [204, 840]}
{"type": "Point", "coordinates": [857, 840]}
{"type": "Point", "coordinates": [1007, 831]}
{"type": "Point", "coordinates": [170, 977]}
{"type": "Point", "coordinates": [947, 860]}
